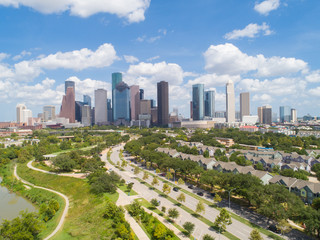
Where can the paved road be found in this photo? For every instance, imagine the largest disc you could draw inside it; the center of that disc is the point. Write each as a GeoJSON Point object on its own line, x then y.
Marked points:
{"type": "Point", "coordinates": [200, 227]}
{"type": "Point", "coordinates": [65, 211]}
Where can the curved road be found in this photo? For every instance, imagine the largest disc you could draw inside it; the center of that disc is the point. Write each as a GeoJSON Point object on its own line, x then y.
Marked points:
{"type": "Point", "coordinates": [65, 211]}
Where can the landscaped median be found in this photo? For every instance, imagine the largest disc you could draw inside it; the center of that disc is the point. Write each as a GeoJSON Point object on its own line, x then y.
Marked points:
{"type": "Point", "coordinates": [235, 216]}
{"type": "Point", "coordinates": [193, 213]}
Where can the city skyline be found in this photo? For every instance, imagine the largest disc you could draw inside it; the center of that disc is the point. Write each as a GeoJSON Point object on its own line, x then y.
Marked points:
{"type": "Point", "coordinates": [276, 65]}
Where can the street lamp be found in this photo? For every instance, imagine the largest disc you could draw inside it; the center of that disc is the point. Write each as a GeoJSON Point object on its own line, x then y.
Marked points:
{"type": "Point", "coordinates": [229, 195]}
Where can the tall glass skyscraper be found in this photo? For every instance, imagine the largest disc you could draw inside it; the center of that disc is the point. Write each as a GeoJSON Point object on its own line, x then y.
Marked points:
{"type": "Point", "coordinates": [69, 84]}
{"type": "Point", "coordinates": [198, 101]}
{"type": "Point", "coordinates": [87, 100]}
{"type": "Point", "coordinates": [121, 106]}
{"type": "Point", "coordinates": [116, 79]}
{"type": "Point", "coordinates": [209, 103]}
{"type": "Point", "coordinates": [230, 102]}
{"type": "Point", "coordinates": [163, 103]}
{"type": "Point", "coordinates": [285, 114]}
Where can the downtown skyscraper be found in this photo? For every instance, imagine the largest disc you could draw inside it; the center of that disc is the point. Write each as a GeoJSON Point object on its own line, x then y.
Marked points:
{"type": "Point", "coordinates": [101, 111]}
{"type": "Point", "coordinates": [163, 103]}
{"type": "Point", "coordinates": [230, 102]}
{"type": "Point", "coordinates": [209, 104]}
{"type": "Point", "coordinates": [198, 101]}
{"type": "Point", "coordinates": [244, 105]}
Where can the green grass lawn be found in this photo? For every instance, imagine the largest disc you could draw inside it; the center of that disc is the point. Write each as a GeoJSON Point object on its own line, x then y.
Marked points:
{"type": "Point", "coordinates": [85, 216]}
{"type": "Point", "coordinates": [123, 188]}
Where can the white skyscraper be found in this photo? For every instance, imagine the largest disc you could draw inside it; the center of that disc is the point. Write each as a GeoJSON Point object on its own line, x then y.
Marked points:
{"type": "Point", "coordinates": [230, 102]}
{"type": "Point", "coordinates": [101, 110]}
{"type": "Point", "coordinates": [26, 114]}
{"type": "Point", "coordinates": [20, 108]}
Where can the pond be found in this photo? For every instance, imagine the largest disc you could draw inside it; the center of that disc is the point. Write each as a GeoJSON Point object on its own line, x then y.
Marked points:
{"type": "Point", "coordinates": [11, 204]}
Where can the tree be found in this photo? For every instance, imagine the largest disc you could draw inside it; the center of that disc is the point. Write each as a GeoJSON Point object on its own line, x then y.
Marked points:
{"type": "Point", "coordinates": [200, 207]}
{"type": "Point", "coordinates": [134, 208]}
{"type": "Point", "coordinates": [222, 220]}
{"type": "Point", "coordinates": [173, 213]}
{"type": "Point", "coordinates": [283, 226]}
{"type": "Point", "coordinates": [155, 181]}
{"type": "Point", "coordinates": [208, 237]}
{"type": "Point", "coordinates": [166, 189]}
{"type": "Point", "coordinates": [259, 166]}
{"type": "Point", "coordinates": [180, 181]}
{"type": "Point", "coordinates": [160, 231]}
{"type": "Point", "coordinates": [255, 235]}
{"type": "Point", "coordinates": [124, 163]}
{"type": "Point", "coordinates": [189, 227]}
{"type": "Point", "coordinates": [148, 165]}
{"type": "Point", "coordinates": [130, 186]}
{"type": "Point", "coordinates": [136, 170]}
{"type": "Point", "coordinates": [158, 170]}
{"type": "Point", "coordinates": [154, 202]}
{"type": "Point", "coordinates": [316, 203]}
{"type": "Point", "coordinates": [63, 163]}
{"type": "Point", "coordinates": [169, 175]}
{"type": "Point", "coordinates": [181, 198]}
{"type": "Point", "coordinates": [217, 198]}
{"type": "Point", "coordinates": [145, 176]}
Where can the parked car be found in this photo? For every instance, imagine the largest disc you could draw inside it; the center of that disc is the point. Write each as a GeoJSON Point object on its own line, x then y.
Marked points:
{"type": "Point", "coordinates": [175, 189]}
{"type": "Point", "coordinates": [162, 174]}
{"type": "Point", "coordinates": [200, 193]}
{"type": "Point", "coordinates": [190, 186]}
{"type": "Point", "coordinates": [273, 228]}
{"type": "Point", "coordinates": [212, 194]}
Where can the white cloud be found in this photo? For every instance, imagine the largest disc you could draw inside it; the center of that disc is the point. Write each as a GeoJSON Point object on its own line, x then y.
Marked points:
{"type": "Point", "coordinates": [213, 80]}
{"type": "Point", "coordinates": [21, 55]}
{"type": "Point", "coordinates": [227, 59]}
{"type": "Point", "coordinates": [314, 92]}
{"type": "Point", "coordinates": [266, 6]}
{"type": "Point", "coordinates": [3, 56]}
{"type": "Point", "coordinates": [251, 31]}
{"type": "Point", "coordinates": [153, 58]}
{"type": "Point", "coordinates": [313, 77]}
{"type": "Point", "coordinates": [130, 59]}
{"type": "Point", "coordinates": [264, 98]}
{"type": "Point", "coordinates": [132, 10]}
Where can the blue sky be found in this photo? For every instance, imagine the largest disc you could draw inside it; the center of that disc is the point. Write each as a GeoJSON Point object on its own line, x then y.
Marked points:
{"type": "Point", "coordinates": [269, 48]}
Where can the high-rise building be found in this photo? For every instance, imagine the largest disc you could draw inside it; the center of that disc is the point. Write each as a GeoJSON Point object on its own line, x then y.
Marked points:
{"type": "Point", "coordinates": [109, 107]}
{"type": "Point", "coordinates": [49, 113]}
{"type": "Point", "coordinates": [294, 117]}
{"type": "Point", "coordinates": [198, 101]}
{"type": "Point", "coordinates": [121, 106]}
{"type": "Point", "coordinates": [153, 103]}
{"type": "Point", "coordinates": [154, 115]}
{"type": "Point", "coordinates": [209, 103]}
{"type": "Point", "coordinates": [87, 100]}
{"type": "Point", "coordinates": [267, 114]}
{"type": "Point", "coordinates": [244, 105]}
{"type": "Point", "coordinates": [20, 108]}
{"type": "Point", "coordinates": [191, 110]}
{"type": "Point", "coordinates": [260, 114]}
{"type": "Point", "coordinates": [86, 115]}
{"type": "Point", "coordinates": [230, 102]}
{"type": "Point", "coordinates": [67, 109]}
{"type": "Point", "coordinates": [134, 102]}
{"type": "Point", "coordinates": [145, 106]}
{"type": "Point", "coordinates": [163, 103]}
{"type": "Point", "coordinates": [285, 114]}
{"type": "Point", "coordinates": [68, 84]}
{"type": "Point", "coordinates": [26, 113]}
{"type": "Point", "coordinates": [101, 111]}
{"type": "Point", "coordinates": [116, 79]}
{"type": "Point", "coordinates": [220, 114]}
{"type": "Point", "coordinates": [141, 91]}
{"type": "Point", "coordinates": [78, 110]}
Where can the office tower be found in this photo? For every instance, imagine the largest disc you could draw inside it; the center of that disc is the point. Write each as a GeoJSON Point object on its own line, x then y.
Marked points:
{"type": "Point", "coordinates": [176, 110]}
{"type": "Point", "coordinates": [209, 103]}
{"type": "Point", "coordinates": [141, 91]}
{"type": "Point", "coordinates": [86, 115]}
{"type": "Point", "coordinates": [87, 100]}
{"type": "Point", "coordinates": [260, 114]}
{"type": "Point", "coordinates": [154, 116]}
{"type": "Point", "coordinates": [78, 110]}
{"type": "Point", "coordinates": [198, 101]}
{"type": "Point", "coordinates": [68, 84]}
{"type": "Point", "coordinates": [145, 106]}
{"type": "Point", "coordinates": [134, 102]}
{"type": "Point", "coordinates": [109, 107]}
{"type": "Point", "coordinates": [121, 106]}
{"type": "Point", "coordinates": [220, 114]}
{"type": "Point", "coordinates": [285, 114]}
{"type": "Point", "coordinates": [26, 114]}
{"type": "Point", "coordinates": [67, 109]}
{"type": "Point", "coordinates": [230, 102]}
{"type": "Point", "coordinates": [267, 114]}
{"type": "Point", "coordinates": [49, 113]}
{"type": "Point", "coordinates": [244, 105]}
{"type": "Point", "coordinates": [237, 115]}
{"type": "Point", "coordinates": [294, 117]}
{"type": "Point", "coordinates": [116, 79]}
{"type": "Point", "coordinates": [163, 103]}
{"type": "Point", "coordinates": [100, 111]}
{"type": "Point", "coordinates": [274, 117]}
{"type": "Point", "coordinates": [153, 103]}
{"type": "Point", "coordinates": [191, 110]}
{"type": "Point", "coordinates": [19, 109]}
